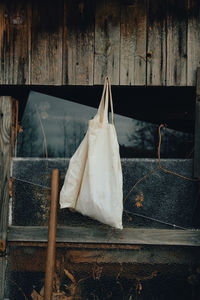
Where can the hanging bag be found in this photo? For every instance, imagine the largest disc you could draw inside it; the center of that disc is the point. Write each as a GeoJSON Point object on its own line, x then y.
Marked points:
{"type": "Point", "coordinates": [93, 183]}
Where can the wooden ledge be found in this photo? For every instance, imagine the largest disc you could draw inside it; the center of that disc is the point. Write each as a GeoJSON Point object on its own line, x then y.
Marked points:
{"type": "Point", "coordinates": [105, 235]}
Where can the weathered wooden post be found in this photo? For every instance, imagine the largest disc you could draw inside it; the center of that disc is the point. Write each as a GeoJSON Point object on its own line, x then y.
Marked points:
{"type": "Point", "coordinates": [5, 157]}
{"type": "Point", "coordinates": [197, 146]}
{"type": "Point", "coordinates": [197, 130]}
{"type": "Point", "coordinates": [50, 260]}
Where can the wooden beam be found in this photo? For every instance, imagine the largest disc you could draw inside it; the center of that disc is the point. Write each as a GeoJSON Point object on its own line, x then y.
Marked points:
{"type": "Point", "coordinates": [197, 129]}
{"type": "Point", "coordinates": [5, 155]}
{"type": "Point", "coordinates": [15, 125]}
{"type": "Point", "coordinates": [3, 266]}
{"type": "Point", "coordinates": [82, 259]}
{"type": "Point", "coordinates": [130, 236]}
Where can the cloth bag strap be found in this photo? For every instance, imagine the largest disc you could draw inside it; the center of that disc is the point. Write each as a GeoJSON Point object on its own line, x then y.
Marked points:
{"type": "Point", "coordinates": [103, 106]}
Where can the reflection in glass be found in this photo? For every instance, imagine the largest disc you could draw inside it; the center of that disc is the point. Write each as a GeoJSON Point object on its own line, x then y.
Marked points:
{"type": "Point", "coordinates": [53, 127]}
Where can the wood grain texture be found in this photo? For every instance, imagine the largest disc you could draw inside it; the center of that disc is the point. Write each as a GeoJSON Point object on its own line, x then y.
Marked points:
{"type": "Point", "coordinates": [16, 51]}
{"type": "Point", "coordinates": [25, 259]}
{"type": "Point", "coordinates": [146, 255]}
{"type": "Point", "coordinates": [78, 42]}
{"type": "Point", "coordinates": [133, 43]}
{"type": "Point", "coordinates": [156, 43]}
{"type": "Point", "coordinates": [107, 41]}
{"type": "Point", "coordinates": [176, 43]}
{"type": "Point", "coordinates": [193, 41]}
{"type": "Point", "coordinates": [162, 258]}
{"type": "Point", "coordinates": [3, 42]}
{"type": "Point", "coordinates": [46, 42]}
{"type": "Point", "coordinates": [3, 267]}
{"type": "Point", "coordinates": [15, 124]}
{"type": "Point", "coordinates": [5, 151]}
{"type": "Point", "coordinates": [104, 235]}
{"type": "Point", "coordinates": [197, 129]}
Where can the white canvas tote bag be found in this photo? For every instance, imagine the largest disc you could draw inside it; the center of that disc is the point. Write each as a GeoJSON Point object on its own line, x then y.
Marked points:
{"type": "Point", "coordinates": [93, 182]}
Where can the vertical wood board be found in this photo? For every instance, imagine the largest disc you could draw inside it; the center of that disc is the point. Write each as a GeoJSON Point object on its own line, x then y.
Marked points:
{"type": "Point", "coordinates": [5, 150]}
{"type": "Point", "coordinates": [46, 42]}
{"type": "Point", "coordinates": [176, 43]}
{"type": "Point", "coordinates": [193, 41]}
{"type": "Point", "coordinates": [15, 44]}
{"type": "Point", "coordinates": [78, 42]}
{"type": "Point", "coordinates": [3, 267]}
{"type": "Point", "coordinates": [197, 129]}
{"type": "Point", "coordinates": [156, 43]}
{"type": "Point", "coordinates": [133, 43]}
{"type": "Point", "coordinates": [3, 42]}
{"type": "Point", "coordinates": [107, 41]}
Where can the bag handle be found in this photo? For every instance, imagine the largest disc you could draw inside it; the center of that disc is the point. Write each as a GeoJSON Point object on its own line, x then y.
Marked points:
{"type": "Point", "coordinates": [103, 106]}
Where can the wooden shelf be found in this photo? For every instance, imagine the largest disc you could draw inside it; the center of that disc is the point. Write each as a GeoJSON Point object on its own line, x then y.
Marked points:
{"type": "Point", "coordinates": [97, 235]}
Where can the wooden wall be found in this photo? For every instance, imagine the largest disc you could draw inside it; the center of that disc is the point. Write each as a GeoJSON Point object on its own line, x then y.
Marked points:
{"type": "Point", "coordinates": [78, 42]}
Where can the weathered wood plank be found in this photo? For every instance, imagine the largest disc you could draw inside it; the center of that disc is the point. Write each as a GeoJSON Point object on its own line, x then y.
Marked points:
{"type": "Point", "coordinates": [107, 41]}
{"type": "Point", "coordinates": [5, 152]}
{"type": "Point", "coordinates": [104, 235]}
{"type": "Point", "coordinates": [77, 245]}
{"type": "Point", "coordinates": [193, 41]}
{"type": "Point", "coordinates": [197, 129]}
{"type": "Point", "coordinates": [133, 43]}
{"type": "Point", "coordinates": [78, 42]}
{"type": "Point", "coordinates": [176, 43]}
{"type": "Point", "coordinates": [3, 42]}
{"type": "Point", "coordinates": [22, 259]}
{"type": "Point", "coordinates": [3, 266]}
{"type": "Point", "coordinates": [46, 42]}
{"type": "Point", "coordinates": [145, 255]}
{"type": "Point", "coordinates": [15, 115]}
{"type": "Point", "coordinates": [16, 42]}
{"type": "Point", "coordinates": [156, 43]}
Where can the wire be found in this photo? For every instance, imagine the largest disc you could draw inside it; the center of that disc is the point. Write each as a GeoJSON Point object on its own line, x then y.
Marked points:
{"type": "Point", "coordinates": [156, 220]}
{"type": "Point", "coordinates": [29, 182]}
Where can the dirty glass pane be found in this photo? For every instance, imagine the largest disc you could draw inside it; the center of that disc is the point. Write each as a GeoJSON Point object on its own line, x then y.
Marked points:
{"type": "Point", "coordinates": [55, 127]}
{"type": "Point", "coordinates": [158, 200]}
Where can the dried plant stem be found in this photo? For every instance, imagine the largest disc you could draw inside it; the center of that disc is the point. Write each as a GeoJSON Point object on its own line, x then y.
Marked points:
{"type": "Point", "coordinates": [142, 178]}
{"type": "Point", "coordinates": [159, 168]}
{"type": "Point", "coordinates": [43, 132]}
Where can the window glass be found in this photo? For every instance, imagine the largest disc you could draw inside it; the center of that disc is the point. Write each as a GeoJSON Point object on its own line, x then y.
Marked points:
{"type": "Point", "coordinates": [53, 127]}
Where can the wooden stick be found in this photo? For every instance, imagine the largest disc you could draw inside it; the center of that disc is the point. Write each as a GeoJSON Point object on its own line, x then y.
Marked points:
{"type": "Point", "coordinates": [50, 260]}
